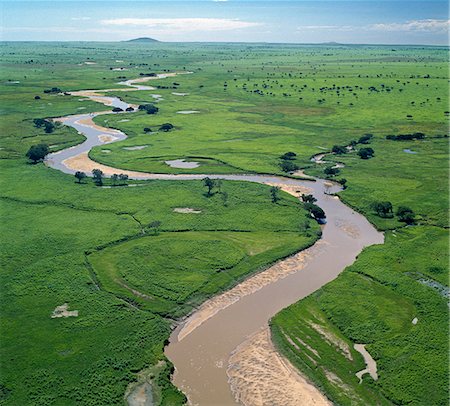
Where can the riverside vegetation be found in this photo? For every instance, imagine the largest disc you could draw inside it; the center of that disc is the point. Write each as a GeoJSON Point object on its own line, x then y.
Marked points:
{"type": "Point", "coordinates": [130, 265]}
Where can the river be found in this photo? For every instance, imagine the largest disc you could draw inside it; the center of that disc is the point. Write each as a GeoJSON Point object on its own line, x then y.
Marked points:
{"type": "Point", "coordinates": [210, 348]}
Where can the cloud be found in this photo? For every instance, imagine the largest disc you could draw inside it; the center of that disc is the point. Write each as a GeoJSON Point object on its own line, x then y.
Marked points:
{"type": "Point", "coordinates": [414, 25]}
{"type": "Point", "coordinates": [429, 25]}
{"type": "Point", "coordinates": [182, 24]}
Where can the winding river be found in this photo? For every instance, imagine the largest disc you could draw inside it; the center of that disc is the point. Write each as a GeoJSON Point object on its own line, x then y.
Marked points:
{"type": "Point", "coordinates": [222, 352]}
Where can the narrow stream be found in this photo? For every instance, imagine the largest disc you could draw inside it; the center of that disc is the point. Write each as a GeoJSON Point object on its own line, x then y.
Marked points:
{"type": "Point", "coordinates": [201, 346]}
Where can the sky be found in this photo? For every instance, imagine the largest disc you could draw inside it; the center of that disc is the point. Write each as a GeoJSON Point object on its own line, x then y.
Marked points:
{"type": "Point", "coordinates": [356, 22]}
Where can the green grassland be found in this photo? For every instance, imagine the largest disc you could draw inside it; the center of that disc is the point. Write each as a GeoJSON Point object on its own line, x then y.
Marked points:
{"type": "Point", "coordinates": [94, 249]}
{"type": "Point", "coordinates": [374, 302]}
{"type": "Point", "coordinates": [56, 234]}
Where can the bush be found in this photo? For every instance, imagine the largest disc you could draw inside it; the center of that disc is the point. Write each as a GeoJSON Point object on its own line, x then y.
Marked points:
{"type": "Point", "coordinates": [37, 152]}
{"type": "Point", "coordinates": [406, 137]}
{"type": "Point", "coordinates": [149, 108]}
{"type": "Point", "coordinates": [288, 156]}
{"type": "Point", "coordinates": [339, 149]}
{"type": "Point", "coordinates": [366, 153]}
{"type": "Point", "coordinates": [365, 139]}
{"type": "Point", "coordinates": [166, 127]}
{"type": "Point", "coordinates": [383, 209]}
{"type": "Point", "coordinates": [288, 166]}
{"type": "Point", "coordinates": [406, 215]}
{"type": "Point", "coordinates": [330, 171]}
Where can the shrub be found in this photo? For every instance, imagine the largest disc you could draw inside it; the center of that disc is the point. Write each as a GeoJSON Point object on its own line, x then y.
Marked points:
{"type": "Point", "coordinates": [288, 166]}
{"type": "Point", "coordinates": [366, 153]}
{"type": "Point", "coordinates": [166, 127]}
{"type": "Point", "coordinates": [37, 152]}
{"type": "Point", "coordinates": [288, 155]}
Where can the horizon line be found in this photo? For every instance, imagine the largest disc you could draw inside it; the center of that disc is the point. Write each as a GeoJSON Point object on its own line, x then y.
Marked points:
{"type": "Point", "coordinates": [331, 43]}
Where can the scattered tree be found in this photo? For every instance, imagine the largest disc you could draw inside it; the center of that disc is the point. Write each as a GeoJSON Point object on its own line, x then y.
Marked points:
{"type": "Point", "coordinates": [37, 152]}
{"type": "Point", "coordinates": [123, 178]}
{"type": "Point", "coordinates": [315, 211]}
{"type": "Point", "coordinates": [308, 198]}
{"type": "Point", "coordinates": [117, 109]}
{"type": "Point", "coordinates": [149, 108]}
{"type": "Point", "coordinates": [383, 209]}
{"type": "Point", "coordinates": [114, 178]}
{"type": "Point", "coordinates": [166, 127]}
{"type": "Point", "coordinates": [331, 171]}
{"type": "Point", "coordinates": [288, 166]}
{"type": "Point", "coordinates": [97, 175]}
{"type": "Point", "coordinates": [339, 149]}
{"type": "Point", "coordinates": [274, 194]}
{"type": "Point", "coordinates": [288, 156]}
{"type": "Point", "coordinates": [147, 130]}
{"type": "Point", "coordinates": [406, 215]}
{"type": "Point", "coordinates": [365, 139]}
{"type": "Point", "coordinates": [209, 183]}
{"type": "Point", "coordinates": [366, 153]}
{"type": "Point", "coordinates": [80, 176]}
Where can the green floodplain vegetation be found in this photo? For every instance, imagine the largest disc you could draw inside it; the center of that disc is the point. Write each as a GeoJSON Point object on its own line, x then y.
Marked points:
{"type": "Point", "coordinates": [131, 265]}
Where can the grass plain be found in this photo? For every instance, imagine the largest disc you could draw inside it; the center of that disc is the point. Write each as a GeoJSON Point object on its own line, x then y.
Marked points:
{"type": "Point", "coordinates": [93, 248]}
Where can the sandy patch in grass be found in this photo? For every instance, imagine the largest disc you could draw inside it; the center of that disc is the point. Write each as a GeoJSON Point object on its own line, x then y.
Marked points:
{"type": "Point", "coordinates": [63, 311]}
{"type": "Point", "coordinates": [371, 365]}
{"type": "Point", "coordinates": [135, 148]}
{"type": "Point", "coordinates": [186, 210]}
{"type": "Point", "coordinates": [251, 285]}
{"type": "Point", "coordinates": [259, 376]}
{"type": "Point", "coordinates": [90, 63]}
{"type": "Point", "coordinates": [180, 94]}
{"type": "Point", "coordinates": [106, 138]}
{"type": "Point", "coordinates": [188, 112]}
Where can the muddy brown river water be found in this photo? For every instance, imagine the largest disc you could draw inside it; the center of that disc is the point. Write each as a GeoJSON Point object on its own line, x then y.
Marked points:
{"type": "Point", "coordinates": [222, 352]}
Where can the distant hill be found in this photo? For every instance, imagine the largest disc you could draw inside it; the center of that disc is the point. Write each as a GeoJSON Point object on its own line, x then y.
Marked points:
{"type": "Point", "coordinates": [142, 39]}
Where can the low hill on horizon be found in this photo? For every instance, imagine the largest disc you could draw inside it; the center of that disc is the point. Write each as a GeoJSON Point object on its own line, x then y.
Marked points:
{"type": "Point", "coordinates": [142, 39]}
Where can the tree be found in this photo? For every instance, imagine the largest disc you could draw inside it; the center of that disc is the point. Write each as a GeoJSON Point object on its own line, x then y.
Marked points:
{"type": "Point", "coordinates": [147, 130]}
{"type": "Point", "coordinates": [114, 178]}
{"type": "Point", "coordinates": [97, 176]}
{"type": "Point", "coordinates": [365, 139]}
{"type": "Point", "coordinates": [308, 198]}
{"type": "Point", "coordinates": [123, 178]}
{"type": "Point", "coordinates": [274, 194]}
{"type": "Point", "coordinates": [331, 171]}
{"type": "Point", "coordinates": [288, 156]}
{"type": "Point", "coordinates": [166, 127]}
{"type": "Point", "coordinates": [383, 209]}
{"type": "Point", "coordinates": [339, 149]}
{"type": "Point", "coordinates": [343, 182]}
{"type": "Point", "coordinates": [209, 183]}
{"type": "Point", "coordinates": [37, 152]}
{"type": "Point", "coordinates": [366, 153]}
{"type": "Point", "coordinates": [149, 108]}
{"type": "Point", "coordinates": [406, 215]}
{"type": "Point", "coordinates": [80, 176]}
{"type": "Point", "coordinates": [288, 166]}
{"type": "Point", "coordinates": [315, 210]}
{"type": "Point", "coordinates": [117, 109]}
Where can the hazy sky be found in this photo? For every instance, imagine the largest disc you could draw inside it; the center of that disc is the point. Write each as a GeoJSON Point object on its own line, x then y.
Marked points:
{"type": "Point", "coordinates": [369, 22]}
